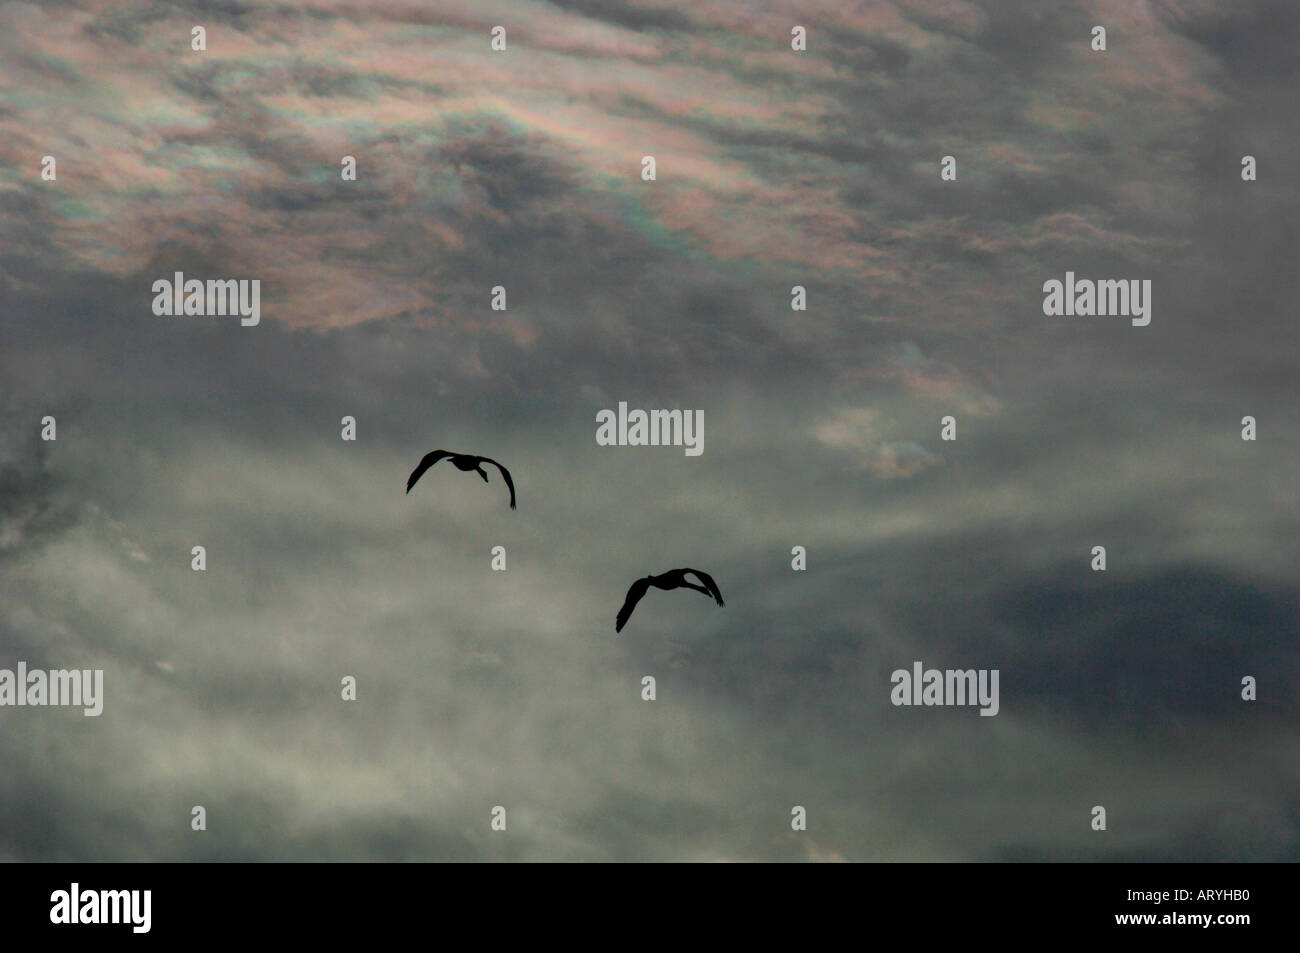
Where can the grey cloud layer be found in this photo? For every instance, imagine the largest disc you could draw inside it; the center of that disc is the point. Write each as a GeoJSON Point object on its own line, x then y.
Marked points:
{"type": "Point", "coordinates": [480, 688]}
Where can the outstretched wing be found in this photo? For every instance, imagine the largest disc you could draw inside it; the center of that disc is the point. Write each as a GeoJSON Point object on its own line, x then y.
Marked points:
{"type": "Point", "coordinates": [709, 584]}
{"type": "Point", "coordinates": [429, 460]}
{"type": "Point", "coordinates": [505, 473]}
{"type": "Point", "coordinates": [633, 597]}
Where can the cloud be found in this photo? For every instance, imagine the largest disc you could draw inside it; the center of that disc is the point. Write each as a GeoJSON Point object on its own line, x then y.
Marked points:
{"type": "Point", "coordinates": [478, 688]}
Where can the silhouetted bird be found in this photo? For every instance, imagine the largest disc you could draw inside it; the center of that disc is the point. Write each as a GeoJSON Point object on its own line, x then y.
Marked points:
{"type": "Point", "coordinates": [462, 461]}
{"type": "Point", "coordinates": [672, 579]}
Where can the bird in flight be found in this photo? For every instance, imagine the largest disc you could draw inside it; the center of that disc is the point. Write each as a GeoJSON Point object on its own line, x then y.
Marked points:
{"type": "Point", "coordinates": [672, 579]}
{"type": "Point", "coordinates": [462, 461]}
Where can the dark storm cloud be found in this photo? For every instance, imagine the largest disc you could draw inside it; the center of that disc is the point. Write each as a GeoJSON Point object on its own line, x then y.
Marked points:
{"type": "Point", "coordinates": [821, 429]}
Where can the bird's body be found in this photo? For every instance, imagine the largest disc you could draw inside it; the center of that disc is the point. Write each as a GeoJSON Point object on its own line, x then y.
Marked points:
{"type": "Point", "coordinates": [466, 462]}
{"type": "Point", "coordinates": [672, 579]}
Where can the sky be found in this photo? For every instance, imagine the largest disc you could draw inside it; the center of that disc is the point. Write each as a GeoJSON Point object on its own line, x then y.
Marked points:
{"type": "Point", "coordinates": [522, 169]}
